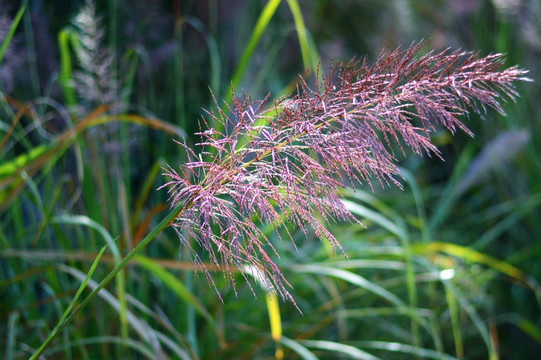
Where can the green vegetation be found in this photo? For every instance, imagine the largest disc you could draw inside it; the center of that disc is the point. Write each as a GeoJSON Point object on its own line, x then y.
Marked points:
{"type": "Point", "coordinates": [445, 268]}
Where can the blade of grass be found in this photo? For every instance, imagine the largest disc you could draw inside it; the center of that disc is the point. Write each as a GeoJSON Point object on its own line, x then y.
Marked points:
{"type": "Point", "coordinates": [66, 77]}
{"type": "Point", "coordinates": [65, 316]}
{"type": "Point", "coordinates": [11, 339]}
{"type": "Point", "coordinates": [120, 284]}
{"type": "Point", "coordinates": [379, 312]}
{"type": "Point", "coordinates": [309, 54]}
{"type": "Point", "coordinates": [348, 350]}
{"type": "Point", "coordinates": [140, 326]}
{"type": "Point", "coordinates": [302, 351]}
{"type": "Point", "coordinates": [449, 194]}
{"type": "Point", "coordinates": [407, 349]}
{"type": "Point", "coordinates": [50, 255]}
{"type": "Point", "coordinates": [260, 26]}
{"type": "Point", "coordinates": [375, 217]}
{"type": "Point", "coordinates": [398, 228]}
{"type": "Point", "coordinates": [455, 323]}
{"type": "Point", "coordinates": [481, 327]}
{"type": "Point", "coordinates": [138, 346]}
{"type": "Point", "coordinates": [214, 54]}
{"type": "Point", "coordinates": [471, 255]}
{"type": "Point", "coordinates": [145, 191]}
{"type": "Point", "coordinates": [158, 229]}
{"type": "Point", "coordinates": [524, 324]}
{"type": "Point", "coordinates": [350, 277]}
{"type": "Point", "coordinates": [179, 289]}
{"type": "Point", "coordinates": [12, 28]}
{"type": "Point", "coordinates": [273, 308]}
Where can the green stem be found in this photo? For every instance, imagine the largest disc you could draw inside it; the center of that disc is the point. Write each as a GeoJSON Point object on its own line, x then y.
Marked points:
{"type": "Point", "coordinates": [13, 27]}
{"type": "Point", "coordinates": [157, 230]}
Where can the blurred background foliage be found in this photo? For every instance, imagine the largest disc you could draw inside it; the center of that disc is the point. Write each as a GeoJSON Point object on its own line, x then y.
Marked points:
{"type": "Point", "coordinates": [93, 94]}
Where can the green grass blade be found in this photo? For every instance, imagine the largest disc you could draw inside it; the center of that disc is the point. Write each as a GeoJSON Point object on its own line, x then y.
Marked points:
{"type": "Point", "coordinates": [139, 325]}
{"type": "Point", "coordinates": [12, 167]}
{"type": "Point", "coordinates": [301, 350]}
{"type": "Point", "coordinates": [411, 181]}
{"type": "Point", "coordinates": [145, 190]}
{"type": "Point", "coordinates": [66, 77]}
{"type": "Point", "coordinates": [417, 315]}
{"type": "Point", "coordinates": [375, 217]}
{"type": "Point", "coordinates": [350, 277]}
{"type": "Point", "coordinates": [173, 283]}
{"type": "Point", "coordinates": [131, 60]}
{"type": "Point", "coordinates": [347, 350]}
{"type": "Point", "coordinates": [155, 231]}
{"type": "Point", "coordinates": [455, 323]}
{"type": "Point", "coordinates": [65, 316]}
{"type": "Point", "coordinates": [406, 349]}
{"type": "Point", "coordinates": [273, 308]}
{"type": "Point", "coordinates": [12, 28]}
{"type": "Point", "coordinates": [138, 346]}
{"type": "Point", "coordinates": [214, 54]}
{"type": "Point", "coordinates": [309, 55]}
{"type": "Point", "coordinates": [449, 194]}
{"type": "Point", "coordinates": [13, 320]}
{"type": "Point", "coordinates": [473, 315]}
{"type": "Point", "coordinates": [469, 254]}
{"type": "Point", "coordinates": [260, 26]}
{"type": "Point", "coordinates": [524, 324]}
{"type": "Point", "coordinates": [120, 284]}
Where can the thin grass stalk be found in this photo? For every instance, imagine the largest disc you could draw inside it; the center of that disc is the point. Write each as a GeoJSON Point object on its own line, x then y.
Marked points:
{"type": "Point", "coordinates": [120, 278]}
{"type": "Point", "coordinates": [191, 335]}
{"type": "Point", "coordinates": [309, 55]}
{"type": "Point", "coordinates": [71, 311]}
{"type": "Point", "coordinates": [178, 73]}
{"type": "Point", "coordinates": [31, 49]}
{"type": "Point", "coordinates": [66, 317]}
{"type": "Point", "coordinates": [273, 308]}
{"type": "Point", "coordinates": [66, 70]}
{"type": "Point", "coordinates": [259, 28]}
{"type": "Point", "coordinates": [13, 27]}
{"type": "Point", "coordinates": [455, 323]}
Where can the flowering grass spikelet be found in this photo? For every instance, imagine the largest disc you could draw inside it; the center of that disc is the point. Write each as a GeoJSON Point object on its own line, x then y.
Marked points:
{"type": "Point", "coordinates": [283, 164]}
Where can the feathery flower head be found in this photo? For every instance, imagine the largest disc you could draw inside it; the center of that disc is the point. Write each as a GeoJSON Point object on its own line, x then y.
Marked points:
{"type": "Point", "coordinates": [284, 163]}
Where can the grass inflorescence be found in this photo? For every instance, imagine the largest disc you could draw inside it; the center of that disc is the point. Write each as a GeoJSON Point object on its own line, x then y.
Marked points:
{"type": "Point", "coordinates": [284, 163]}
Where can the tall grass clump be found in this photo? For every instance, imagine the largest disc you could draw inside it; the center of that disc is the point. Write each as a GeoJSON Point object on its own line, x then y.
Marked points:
{"type": "Point", "coordinates": [283, 164]}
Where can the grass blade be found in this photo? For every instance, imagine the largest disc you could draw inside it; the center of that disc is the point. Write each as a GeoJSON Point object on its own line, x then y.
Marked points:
{"type": "Point", "coordinates": [65, 316]}
{"type": "Point", "coordinates": [350, 277]}
{"type": "Point", "coordinates": [66, 74]}
{"type": "Point", "coordinates": [407, 349]}
{"type": "Point", "coordinates": [309, 55]}
{"type": "Point", "coordinates": [178, 288]}
{"type": "Point", "coordinates": [260, 26]}
{"type": "Point", "coordinates": [275, 323]}
{"type": "Point", "coordinates": [158, 229]}
{"type": "Point", "coordinates": [12, 28]}
{"type": "Point", "coordinates": [294, 345]}
{"type": "Point", "coordinates": [348, 350]}
{"type": "Point", "coordinates": [120, 284]}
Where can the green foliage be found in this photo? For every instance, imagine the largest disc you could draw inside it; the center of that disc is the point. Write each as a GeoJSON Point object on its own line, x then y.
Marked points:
{"type": "Point", "coordinates": [445, 269]}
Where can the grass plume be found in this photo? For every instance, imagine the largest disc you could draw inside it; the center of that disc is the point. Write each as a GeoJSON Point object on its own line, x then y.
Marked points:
{"type": "Point", "coordinates": [96, 81]}
{"type": "Point", "coordinates": [284, 163]}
